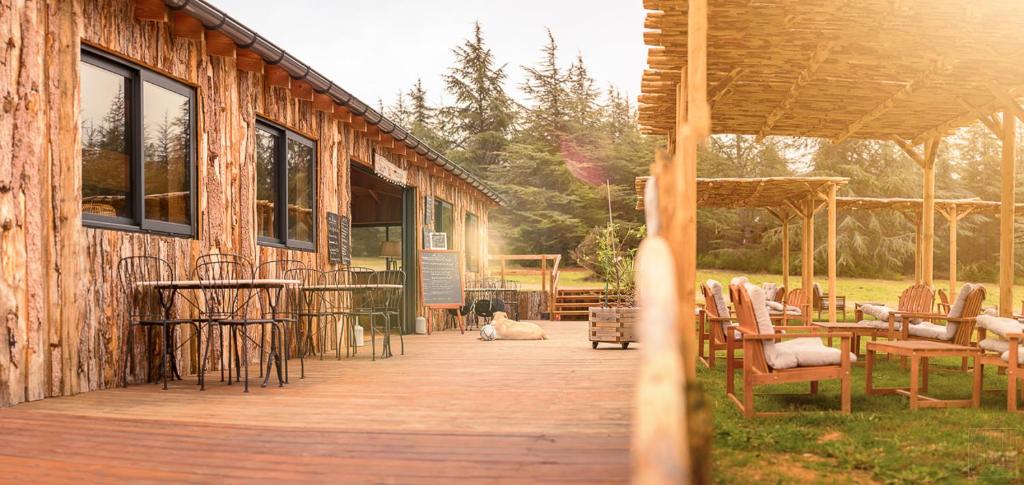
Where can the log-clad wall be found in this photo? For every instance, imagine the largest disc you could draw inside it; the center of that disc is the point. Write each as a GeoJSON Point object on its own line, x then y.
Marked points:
{"type": "Point", "coordinates": [62, 326]}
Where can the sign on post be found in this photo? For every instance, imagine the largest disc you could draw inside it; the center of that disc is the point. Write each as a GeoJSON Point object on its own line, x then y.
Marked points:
{"type": "Point", "coordinates": [441, 278]}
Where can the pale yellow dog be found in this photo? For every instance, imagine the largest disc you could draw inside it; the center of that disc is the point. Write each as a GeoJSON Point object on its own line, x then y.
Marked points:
{"type": "Point", "coordinates": [513, 330]}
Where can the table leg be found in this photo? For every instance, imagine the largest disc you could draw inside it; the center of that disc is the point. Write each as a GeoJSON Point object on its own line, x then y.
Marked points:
{"type": "Point", "coordinates": [924, 374]}
{"type": "Point", "coordinates": [869, 367]}
{"type": "Point", "coordinates": [915, 374]}
{"type": "Point", "coordinates": [979, 371]}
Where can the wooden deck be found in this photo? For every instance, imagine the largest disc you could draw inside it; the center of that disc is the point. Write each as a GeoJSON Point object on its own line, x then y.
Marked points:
{"type": "Point", "coordinates": [453, 408]}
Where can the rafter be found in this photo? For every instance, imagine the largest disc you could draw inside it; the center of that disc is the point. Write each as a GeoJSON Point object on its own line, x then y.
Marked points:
{"type": "Point", "coordinates": [909, 149]}
{"type": "Point", "coordinates": [722, 88]}
{"type": "Point", "coordinates": [1007, 100]}
{"type": "Point", "coordinates": [989, 120]}
{"type": "Point", "coordinates": [900, 95]}
{"type": "Point", "coordinates": [821, 53]}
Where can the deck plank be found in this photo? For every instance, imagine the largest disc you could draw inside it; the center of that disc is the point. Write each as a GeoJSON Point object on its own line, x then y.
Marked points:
{"type": "Point", "coordinates": [453, 408]}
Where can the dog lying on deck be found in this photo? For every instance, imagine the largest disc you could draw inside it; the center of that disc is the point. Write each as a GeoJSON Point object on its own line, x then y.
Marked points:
{"type": "Point", "coordinates": [513, 330]}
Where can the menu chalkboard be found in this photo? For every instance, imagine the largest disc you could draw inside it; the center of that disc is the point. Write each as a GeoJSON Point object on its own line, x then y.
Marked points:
{"type": "Point", "coordinates": [346, 241]}
{"type": "Point", "coordinates": [441, 278]}
{"type": "Point", "coordinates": [333, 238]}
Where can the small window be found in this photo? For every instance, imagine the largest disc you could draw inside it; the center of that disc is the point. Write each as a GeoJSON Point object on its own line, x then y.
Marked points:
{"type": "Point", "coordinates": [444, 219]}
{"type": "Point", "coordinates": [138, 148]}
{"type": "Point", "coordinates": [285, 187]}
{"type": "Point", "coordinates": [472, 240]}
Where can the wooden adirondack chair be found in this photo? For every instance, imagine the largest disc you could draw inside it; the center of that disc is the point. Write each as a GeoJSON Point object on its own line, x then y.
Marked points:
{"type": "Point", "coordinates": [714, 323]}
{"type": "Point", "coordinates": [797, 298]}
{"type": "Point", "coordinates": [914, 299]}
{"type": "Point", "coordinates": [821, 302]}
{"type": "Point", "coordinates": [760, 337]}
{"type": "Point", "coordinates": [1009, 360]}
{"type": "Point", "coordinates": [943, 301]}
{"type": "Point", "coordinates": [961, 317]}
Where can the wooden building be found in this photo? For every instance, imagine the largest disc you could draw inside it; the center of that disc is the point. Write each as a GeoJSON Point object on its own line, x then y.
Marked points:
{"type": "Point", "coordinates": [168, 128]}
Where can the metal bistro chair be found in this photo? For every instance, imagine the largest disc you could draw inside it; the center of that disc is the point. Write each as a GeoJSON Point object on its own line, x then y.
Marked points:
{"type": "Point", "coordinates": [339, 306]}
{"type": "Point", "coordinates": [148, 307]}
{"type": "Point", "coordinates": [284, 301]}
{"type": "Point", "coordinates": [365, 304]}
{"type": "Point", "coordinates": [388, 301]}
{"type": "Point", "coordinates": [229, 305]}
{"type": "Point", "coordinates": [310, 309]}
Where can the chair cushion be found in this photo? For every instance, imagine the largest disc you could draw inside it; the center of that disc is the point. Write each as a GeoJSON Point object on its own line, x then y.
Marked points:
{"type": "Point", "coordinates": [1000, 325]}
{"type": "Point", "coordinates": [881, 324]}
{"type": "Point", "coordinates": [1020, 355]}
{"type": "Point", "coordinates": [994, 345]}
{"type": "Point", "coordinates": [769, 290]}
{"type": "Point", "coordinates": [719, 298]}
{"type": "Point", "coordinates": [956, 310]}
{"type": "Point", "coordinates": [880, 312]}
{"type": "Point", "coordinates": [930, 330]}
{"type": "Point", "coordinates": [776, 308]}
{"type": "Point", "coordinates": [804, 352]}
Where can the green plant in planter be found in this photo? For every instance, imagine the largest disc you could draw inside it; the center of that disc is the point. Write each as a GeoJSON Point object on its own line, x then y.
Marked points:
{"type": "Point", "coordinates": [609, 253]}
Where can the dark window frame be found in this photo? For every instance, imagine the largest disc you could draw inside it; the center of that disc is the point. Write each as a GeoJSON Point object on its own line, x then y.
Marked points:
{"type": "Point", "coordinates": [137, 76]}
{"type": "Point", "coordinates": [284, 135]}
{"type": "Point", "coordinates": [439, 204]}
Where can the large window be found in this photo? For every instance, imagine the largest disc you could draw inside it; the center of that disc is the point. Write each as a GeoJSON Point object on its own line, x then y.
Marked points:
{"type": "Point", "coordinates": [444, 219]}
{"type": "Point", "coordinates": [285, 187]}
{"type": "Point", "coordinates": [138, 138]}
{"type": "Point", "coordinates": [472, 241]}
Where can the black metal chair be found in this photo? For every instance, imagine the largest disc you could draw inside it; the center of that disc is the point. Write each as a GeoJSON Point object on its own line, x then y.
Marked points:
{"type": "Point", "coordinates": [366, 304]}
{"type": "Point", "coordinates": [149, 307]}
{"type": "Point", "coordinates": [283, 300]}
{"type": "Point", "coordinates": [310, 312]}
{"type": "Point", "coordinates": [340, 305]}
{"type": "Point", "coordinates": [482, 309]}
{"type": "Point", "coordinates": [389, 303]}
{"type": "Point", "coordinates": [228, 292]}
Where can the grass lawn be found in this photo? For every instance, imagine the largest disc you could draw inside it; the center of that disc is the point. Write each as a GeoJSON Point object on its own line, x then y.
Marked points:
{"type": "Point", "coordinates": [881, 442]}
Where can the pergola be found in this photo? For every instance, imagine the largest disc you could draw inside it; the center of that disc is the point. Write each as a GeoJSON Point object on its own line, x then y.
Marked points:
{"type": "Point", "coordinates": [909, 72]}
{"type": "Point", "coordinates": [786, 198]}
{"type": "Point", "coordinates": [953, 210]}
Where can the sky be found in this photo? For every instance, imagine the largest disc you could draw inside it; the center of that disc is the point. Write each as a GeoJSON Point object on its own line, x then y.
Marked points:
{"type": "Point", "coordinates": [376, 48]}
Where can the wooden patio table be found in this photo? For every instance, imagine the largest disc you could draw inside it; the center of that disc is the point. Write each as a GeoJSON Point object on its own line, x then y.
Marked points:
{"type": "Point", "coordinates": [858, 331]}
{"type": "Point", "coordinates": [167, 290]}
{"type": "Point", "coordinates": [919, 351]}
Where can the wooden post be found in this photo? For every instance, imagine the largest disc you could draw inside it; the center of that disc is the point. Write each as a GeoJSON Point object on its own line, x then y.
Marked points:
{"type": "Point", "coordinates": [954, 218]}
{"type": "Point", "coordinates": [928, 217]}
{"type": "Point", "coordinates": [917, 251]}
{"type": "Point", "coordinates": [832, 253]}
{"type": "Point", "coordinates": [785, 253]}
{"type": "Point", "coordinates": [807, 266]}
{"type": "Point", "coordinates": [1006, 214]}
{"type": "Point", "coordinates": [543, 274]}
{"type": "Point", "coordinates": [502, 267]}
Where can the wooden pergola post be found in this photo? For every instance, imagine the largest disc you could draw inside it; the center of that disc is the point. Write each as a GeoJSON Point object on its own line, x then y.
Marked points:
{"type": "Point", "coordinates": [925, 258]}
{"type": "Point", "coordinates": [953, 216]}
{"type": "Point", "coordinates": [785, 252]}
{"type": "Point", "coordinates": [918, 230]}
{"type": "Point", "coordinates": [1006, 210]}
{"type": "Point", "coordinates": [807, 258]}
{"type": "Point", "coordinates": [832, 253]}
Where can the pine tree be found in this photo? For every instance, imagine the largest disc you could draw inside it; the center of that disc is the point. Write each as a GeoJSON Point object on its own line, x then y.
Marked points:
{"type": "Point", "coordinates": [481, 115]}
{"type": "Point", "coordinates": [546, 87]}
{"type": "Point", "coordinates": [399, 111]}
{"type": "Point", "coordinates": [582, 95]}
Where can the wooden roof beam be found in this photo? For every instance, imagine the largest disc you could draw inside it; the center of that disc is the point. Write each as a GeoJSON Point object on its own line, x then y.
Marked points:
{"type": "Point", "coordinates": [722, 88]}
{"type": "Point", "coordinates": [302, 90]}
{"type": "Point", "coordinates": [989, 120]}
{"type": "Point", "coordinates": [248, 61]}
{"type": "Point", "coordinates": [277, 77]}
{"type": "Point", "coordinates": [220, 45]}
{"type": "Point", "coordinates": [323, 102]}
{"type": "Point", "coordinates": [151, 10]}
{"type": "Point", "coordinates": [343, 115]}
{"type": "Point", "coordinates": [186, 26]}
{"type": "Point", "coordinates": [909, 149]}
{"type": "Point", "coordinates": [821, 54]}
{"type": "Point", "coordinates": [358, 124]}
{"type": "Point", "coordinates": [1007, 100]}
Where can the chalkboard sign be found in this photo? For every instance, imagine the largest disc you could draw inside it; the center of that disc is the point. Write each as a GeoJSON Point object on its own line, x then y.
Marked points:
{"type": "Point", "coordinates": [441, 278]}
{"type": "Point", "coordinates": [438, 240]}
{"type": "Point", "coordinates": [346, 241]}
{"type": "Point", "coordinates": [333, 238]}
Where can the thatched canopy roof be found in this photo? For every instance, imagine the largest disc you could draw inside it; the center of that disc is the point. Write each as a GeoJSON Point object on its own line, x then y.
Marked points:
{"type": "Point", "coordinates": [766, 193]}
{"type": "Point", "coordinates": [974, 206]}
{"type": "Point", "coordinates": [873, 69]}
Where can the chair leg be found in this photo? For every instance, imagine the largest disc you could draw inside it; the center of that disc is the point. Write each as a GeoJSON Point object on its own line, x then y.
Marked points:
{"type": "Point", "coordinates": [373, 340]}
{"type": "Point", "coordinates": [220, 351]}
{"type": "Point", "coordinates": [245, 356]}
{"type": "Point", "coordinates": [814, 387]}
{"type": "Point", "coordinates": [163, 355]}
{"type": "Point", "coordinates": [1011, 392]}
{"type": "Point", "coordinates": [748, 396]}
{"type": "Point", "coordinates": [263, 337]}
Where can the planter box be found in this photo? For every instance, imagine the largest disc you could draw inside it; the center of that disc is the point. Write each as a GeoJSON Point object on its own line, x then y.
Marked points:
{"type": "Point", "coordinates": [614, 325]}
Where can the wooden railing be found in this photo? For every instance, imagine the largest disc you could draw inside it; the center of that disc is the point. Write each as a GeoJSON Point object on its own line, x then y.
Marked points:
{"type": "Point", "coordinates": [548, 276]}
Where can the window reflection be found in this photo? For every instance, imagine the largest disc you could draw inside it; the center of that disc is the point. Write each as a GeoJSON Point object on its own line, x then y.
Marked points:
{"type": "Point", "coordinates": [166, 144]}
{"type": "Point", "coordinates": [301, 191]}
{"type": "Point", "coordinates": [266, 183]}
{"type": "Point", "coordinates": [104, 121]}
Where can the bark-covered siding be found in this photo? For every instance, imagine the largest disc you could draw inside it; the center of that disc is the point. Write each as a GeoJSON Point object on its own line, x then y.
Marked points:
{"type": "Point", "coordinates": [62, 329]}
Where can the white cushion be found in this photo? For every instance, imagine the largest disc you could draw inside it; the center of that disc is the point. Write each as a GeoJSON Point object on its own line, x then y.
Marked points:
{"type": "Point", "coordinates": [880, 324]}
{"type": "Point", "coordinates": [1020, 355]}
{"type": "Point", "coordinates": [929, 330]}
{"type": "Point", "coordinates": [804, 352]}
{"type": "Point", "coordinates": [994, 345]}
{"type": "Point", "coordinates": [992, 311]}
{"type": "Point", "coordinates": [1000, 325]}
{"type": "Point", "coordinates": [956, 310]}
{"type": "Point", "coordinates": [770, 289]}
{"type": "Point", "coordinates": [880, 312]}
{"type": "Point", "coordinates": [718, 298]}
